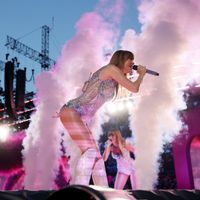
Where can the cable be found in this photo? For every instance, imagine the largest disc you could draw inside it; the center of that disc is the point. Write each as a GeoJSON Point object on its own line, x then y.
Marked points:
{"type": "Point", "coordinates": [28, 33]}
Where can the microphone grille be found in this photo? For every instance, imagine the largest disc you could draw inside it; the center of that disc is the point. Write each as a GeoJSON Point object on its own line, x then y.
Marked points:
{"type": "Point", "coordinates": [134, 67]}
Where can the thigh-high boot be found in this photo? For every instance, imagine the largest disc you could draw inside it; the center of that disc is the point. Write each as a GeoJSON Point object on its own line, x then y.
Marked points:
{"type": "Point", "coordinates": [84, 167]}
{"type": "Point", "coordinates": [99, 175]}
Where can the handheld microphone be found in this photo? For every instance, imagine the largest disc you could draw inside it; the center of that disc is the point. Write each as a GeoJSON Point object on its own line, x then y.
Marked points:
{"type": "Point", "coordinates": [148, 71]}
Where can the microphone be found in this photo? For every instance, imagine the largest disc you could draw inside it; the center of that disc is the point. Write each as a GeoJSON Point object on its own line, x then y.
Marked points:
{"type": "Point", "coordinates": [148, 71]}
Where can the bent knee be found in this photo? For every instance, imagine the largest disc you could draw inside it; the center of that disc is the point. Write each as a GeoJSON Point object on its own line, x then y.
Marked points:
{"type": "Point", "coordinates": [91, 151]}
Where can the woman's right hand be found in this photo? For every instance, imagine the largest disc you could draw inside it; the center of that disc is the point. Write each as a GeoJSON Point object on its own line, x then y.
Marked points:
{"type": "Point", "coordinates": [141, 70]}
{"type": "Point", "coordinates": [107, 150]}
{"type": "Point", "coordinates": [108, 143]}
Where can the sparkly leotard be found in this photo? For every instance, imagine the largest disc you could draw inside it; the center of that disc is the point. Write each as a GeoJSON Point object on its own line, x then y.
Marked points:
{"type": "Point", "coordinates": [125, 164]}
{"type": "Point", "coordinates": [96, 94]}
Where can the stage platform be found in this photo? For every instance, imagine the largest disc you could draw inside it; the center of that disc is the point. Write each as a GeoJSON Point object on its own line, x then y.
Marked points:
{"type": "Point", "coordinates": [78, 192]}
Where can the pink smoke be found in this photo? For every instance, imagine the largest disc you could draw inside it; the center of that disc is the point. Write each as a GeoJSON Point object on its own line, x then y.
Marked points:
{"type": "Point", "coordinates": [167, 42]}
{"type": "Point", "coordinates": [80, 56]}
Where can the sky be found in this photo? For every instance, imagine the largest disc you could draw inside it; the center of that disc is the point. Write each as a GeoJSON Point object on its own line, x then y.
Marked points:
{"type": "Point", "coordinates": [23, 20]}
{"type": "Point", "coordinates": [162, 34]}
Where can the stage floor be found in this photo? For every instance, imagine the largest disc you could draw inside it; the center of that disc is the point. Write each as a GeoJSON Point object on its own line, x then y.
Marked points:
{"type": "Point", "coordinates": [84, 194]}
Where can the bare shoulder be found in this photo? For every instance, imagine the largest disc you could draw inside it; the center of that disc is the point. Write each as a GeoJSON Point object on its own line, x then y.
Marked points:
{"type": "Point", "coordinates": [113, 68]}
{"type": "Point", "coordinates": [129, 147]}
{"type": "Point", "coordinates": [109, 70]}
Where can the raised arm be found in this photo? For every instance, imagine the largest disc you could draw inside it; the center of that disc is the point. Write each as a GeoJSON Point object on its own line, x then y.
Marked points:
{"type": "Point", "coordinates": [130, 148]}
{"type": "Point", "coordinates": [107, 151]}
{"type": "Point", "coordinates": [133, 86]}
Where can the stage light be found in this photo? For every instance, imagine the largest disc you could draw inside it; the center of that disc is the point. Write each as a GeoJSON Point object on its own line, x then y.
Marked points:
{"type": "Point", "coordinates": [114, 108]}
{"type": "Point", "coordinates": [111, 108]}
{"type": "Point", "coordinates": [129, 104]}
{"type": "Point", "coordinates": [4, 133]}
{"type": "Point", "coordinates": [120, 106]}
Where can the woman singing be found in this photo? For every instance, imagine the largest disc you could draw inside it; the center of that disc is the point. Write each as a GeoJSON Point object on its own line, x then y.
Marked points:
{"type": "Point", "coordinates": [120, 151]}
{"type": "Point", "coordinates": [101, 87]}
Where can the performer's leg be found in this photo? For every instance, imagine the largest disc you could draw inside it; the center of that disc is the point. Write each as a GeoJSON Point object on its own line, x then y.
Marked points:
{"type": "Point", "coordinates": [120, 180]}
{"type": "Point", "coordinates": [82, 136]}
{"type": "Point", "coordinates": [99, 175]}
{"type": "Point", "coordinates": [79, 133]}
{"type": "Point", "coordinates": [84, 167]}
{"type": "Point", "coordinates": [133, 181]}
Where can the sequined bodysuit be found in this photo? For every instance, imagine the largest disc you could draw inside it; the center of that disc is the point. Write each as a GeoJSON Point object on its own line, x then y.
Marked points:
{"type": "Point", "coordinates": [125, 164]}
{"type": "Point", "coordinates": [96, 94]}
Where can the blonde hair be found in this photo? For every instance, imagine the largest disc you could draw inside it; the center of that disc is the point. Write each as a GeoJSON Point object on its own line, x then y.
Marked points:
{"type": "Point", "coordinates": [118, 59]}
{"type": "Point", "coordinates": [119, 139]}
